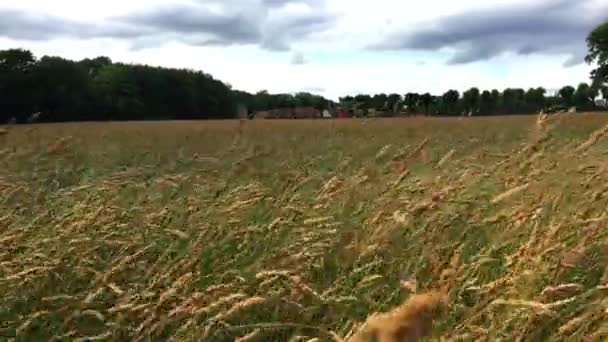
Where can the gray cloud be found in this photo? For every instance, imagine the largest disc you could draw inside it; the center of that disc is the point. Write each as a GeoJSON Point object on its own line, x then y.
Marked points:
{"type": "Point", "coordinates": [281, 3]}
{"type": "Point", "coordinates": [270, 24]}
{"type": "Point", "coordinates": [20, 25]}
{"type": "Point", "coordinates": [227, 28]}
{"type": "Point", "coordinates": [32, 26]}
{"type": "Point", "coordinates": [282, 28]}
{"type": "Point", "coordinates": [549, 27]}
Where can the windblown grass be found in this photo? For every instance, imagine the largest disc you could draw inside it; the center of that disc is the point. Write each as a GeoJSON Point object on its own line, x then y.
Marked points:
{"type": "Point", "coordinates": [295, 230]}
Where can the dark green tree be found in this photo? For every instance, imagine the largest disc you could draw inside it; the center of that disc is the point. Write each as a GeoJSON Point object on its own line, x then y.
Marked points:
{"type": "Point", "coordinates": [535, 99]}
{"type": "Point", "coordinates": [450, 101]}
{"type": "Point", "coordinates": [364, 102]}
{"type": "Point", "coordinates": [63, 87]}
{"type": "Point", "coordinates": [470, 99]}
{"type": "Point", "coordinates": [94, 65]}
{"type": "Point", "coordinates": [604, 92]}
{"type": "Point", "coordinates": [584, 97]}
{"type": "Point", "coordinates": [597, 42]}
{"type": "Point", "coordinates": [17, 88]}
{"type": "Point", "coordinates": [395, 103]}
{"type": "Point", "coordinates": [486, 103]}
{"type": "Point", "coordinates": [567, 95]}
{"type": "Point", "coordinates": [118, 93]}
{"type": "Point", "coordinates": [426, 100]}
{"type": "Point", "coordinates": [380, 102]}
{"type": "Point", "coordinates": [412, 101]}
{"type": "Point", "coordinates": [496, 101]}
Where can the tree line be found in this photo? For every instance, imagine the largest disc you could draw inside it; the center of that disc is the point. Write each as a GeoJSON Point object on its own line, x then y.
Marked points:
{"type": "Point", "coordinates": [57, 89]}
{"type": "Point", "coordinates": [54, 89]}
{"type": "Point", "coordinates": [476, 102]}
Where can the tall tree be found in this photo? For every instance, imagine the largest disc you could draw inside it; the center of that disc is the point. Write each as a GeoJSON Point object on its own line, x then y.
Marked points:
{"type": "Point", "coordinates": [395, 103]}
{"type": "Point", "coordinates": [496, 98]}
{"type": "Point", "coordinates": [426, 100]}
{"type": "Point", "coordinates": [380, 102]}
{"type": "Point", "coordinates": [567, 95]}
{"type": "Point", "coordinates": [94, 65]}
{"type": "Point", "coordinates": [364, 102]}
{"type": "Point", "coordinates": [119, 93]}
{"type": "Point", "coordinates": [17, 91]}
{"type": "Point", "coordinates": [16, 60]}
{"type": "Point", "coordinates": [261, 100]}
{"type": "Point", "coordinates": [411, 101]}
{"type": "Point", "coordinates": [450, 101]}
{"type": "Point", "coordinates": [470, 99]}
{"type": "Point", "coordinates": [535, 99]}
{"type": "Point", "coordinates": [584, 96]}
{"type": "Point", "coordinates": [64, 93]}
{"type": "Point", "coordinates": [486, 103]}
{"type": "Point", "coordinates": [512, 100]}
{"type": "Point", "coordinates": [604, 91]}
{"type": "Point", "coordinates": [597, 42]}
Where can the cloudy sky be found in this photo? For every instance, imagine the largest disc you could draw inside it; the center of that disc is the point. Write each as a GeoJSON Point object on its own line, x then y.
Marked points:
{"type": "Point", "coordinates": [329, 47]}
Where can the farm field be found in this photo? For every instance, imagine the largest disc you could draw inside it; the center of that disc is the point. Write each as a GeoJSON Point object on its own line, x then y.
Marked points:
{"type": "Point", "coordinates": [295, 230]}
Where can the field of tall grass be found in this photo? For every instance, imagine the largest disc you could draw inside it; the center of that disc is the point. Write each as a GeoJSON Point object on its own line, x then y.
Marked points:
{"type": "Point", "coordinates": [299, 230]}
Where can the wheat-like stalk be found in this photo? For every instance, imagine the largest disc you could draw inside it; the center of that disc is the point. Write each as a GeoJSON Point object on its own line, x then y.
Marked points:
{"type": "Point", "coordinates": [284, 231]}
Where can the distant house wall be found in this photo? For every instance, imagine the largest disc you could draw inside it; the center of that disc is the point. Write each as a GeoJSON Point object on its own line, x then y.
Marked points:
{"type": "Point", "coordinates": [306, 113]}
{"type": "Point", "coordinates": [262, 114]}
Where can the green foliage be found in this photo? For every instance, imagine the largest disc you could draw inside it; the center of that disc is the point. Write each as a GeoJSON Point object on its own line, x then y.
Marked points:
{"type": "Point", "coordinates": [597, 41]}
{"type": "Point", "coordinates": [379, 102]}
{"type": "Point", "coordinates": [15, 76]}
{"type": "Point", "coordinates": [567, 95]}
{"type": "Point", "coordinates": [510, 101]}
{"type": "Point", "coordinates": [411, 101]}
{"type": "Point", "coordinates": [535, 97]}
{"type": "Point", "coordinates": [98, 89]}
{"type": "Point", "coordinates": [395, 103]}
{"type": "Point", "coordinates": [584, 96]}
{"type": "Point", "coordinates": [426, 100]}
{"type": "Point", "coordinates": [486, 102]}
{"type": "Point", "coordinates": [470, 100]}
{"type": "Point", "coordinates": [14, 60]}
{"type": "Point", "coordinates": [450, 101]}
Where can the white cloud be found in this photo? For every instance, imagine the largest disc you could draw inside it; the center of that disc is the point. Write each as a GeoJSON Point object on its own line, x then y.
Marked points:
{"type": "Point", "coordinates": [337, 61]}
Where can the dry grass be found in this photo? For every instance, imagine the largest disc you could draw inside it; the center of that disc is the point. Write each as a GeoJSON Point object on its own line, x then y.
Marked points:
{"type": "Point", "coordinates": [298, 231]}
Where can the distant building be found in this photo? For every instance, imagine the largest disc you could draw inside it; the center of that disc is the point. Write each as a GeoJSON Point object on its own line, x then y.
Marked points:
{"type": "Point", "coordinates": [306, 113]}
{"type": "Point", "coordinates": [344, 113]}
{"type": "Point", "coordinates": [602, 103]}
{"type": "Point", "coordinates": [262, 114]}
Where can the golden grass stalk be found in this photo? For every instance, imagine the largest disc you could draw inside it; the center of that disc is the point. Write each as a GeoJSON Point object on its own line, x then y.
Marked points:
{"type": "Point", "coordinates": [511, 192]}
{"type": "Point", "coordinates": [594, 138]}
{"type": "Point", "coordinates": [445, 158]}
